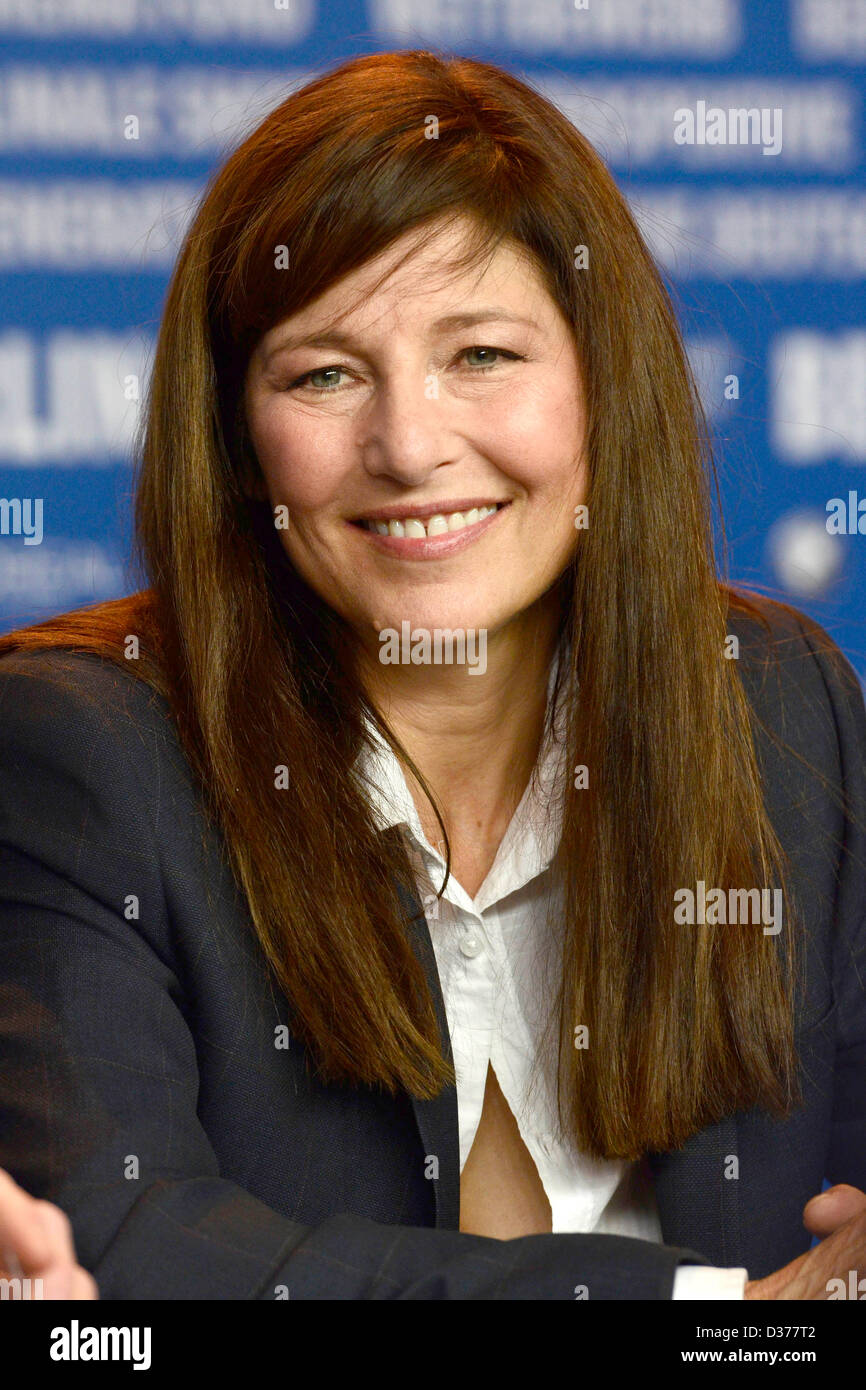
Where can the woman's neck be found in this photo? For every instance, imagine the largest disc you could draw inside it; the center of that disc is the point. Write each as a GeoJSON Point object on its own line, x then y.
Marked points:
{"type": "Point", "coordinates": [475, 738]}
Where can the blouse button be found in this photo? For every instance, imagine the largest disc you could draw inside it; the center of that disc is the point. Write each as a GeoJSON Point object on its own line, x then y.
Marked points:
{"type": "Point", "coordinates": [471, 945]}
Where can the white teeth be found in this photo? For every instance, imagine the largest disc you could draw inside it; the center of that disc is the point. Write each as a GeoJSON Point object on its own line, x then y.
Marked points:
{"type": "Point", "coordinates": [435, 525]}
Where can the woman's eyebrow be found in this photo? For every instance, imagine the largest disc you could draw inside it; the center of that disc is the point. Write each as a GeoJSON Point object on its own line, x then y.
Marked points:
{"type": "Point", "coordinates": [469, 320]}
{"type": "Point", "coordinates": [336, 338]}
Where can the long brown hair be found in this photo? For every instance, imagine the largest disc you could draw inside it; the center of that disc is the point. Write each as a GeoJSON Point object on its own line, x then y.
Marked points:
{"type": "Point", "coordinates": [685, 1025]}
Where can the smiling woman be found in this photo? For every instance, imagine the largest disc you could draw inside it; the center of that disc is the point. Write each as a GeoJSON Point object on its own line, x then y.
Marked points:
{"type": "Point", "coordinates": [395, 949]}
{"type": "Point", "coordinates": [412, 430]}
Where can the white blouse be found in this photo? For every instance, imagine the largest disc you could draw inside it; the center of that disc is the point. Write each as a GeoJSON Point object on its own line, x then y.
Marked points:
{"type": "Point", "coordinates": [498, 958]}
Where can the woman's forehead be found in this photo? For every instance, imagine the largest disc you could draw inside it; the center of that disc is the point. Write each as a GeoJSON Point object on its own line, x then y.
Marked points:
{"type": "Point", "coordinates": [434, 284]}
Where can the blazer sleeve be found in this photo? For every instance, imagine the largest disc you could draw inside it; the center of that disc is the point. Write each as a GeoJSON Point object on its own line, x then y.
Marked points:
{"type": "Point", "coordinates": [846, 1160]}
{"type": "Point", "coordinates": [98, 1072]}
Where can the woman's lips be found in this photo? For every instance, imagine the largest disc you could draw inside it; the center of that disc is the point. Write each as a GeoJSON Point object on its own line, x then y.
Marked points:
{"type": "Point", "coordinates": [429, 547]}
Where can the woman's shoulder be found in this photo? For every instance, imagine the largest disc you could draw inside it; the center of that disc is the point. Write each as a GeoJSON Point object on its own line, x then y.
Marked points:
{"type": "Point", "coordinates": [795, 674]}
{"type": "Point", "coordinates": [86, 676]}
{"type": "Point", "coordinates": [773, 628]}
{"type": "Point", "coordinates": [82, 736]}
{"type": "Point", "coordinates": [56, 695]}
{"type": "Point", "coordinates": [810, 737]}
{"type": "Point", "coordinates": [95, 789]}
{"type": "Point", "coordinates": [89, 665]}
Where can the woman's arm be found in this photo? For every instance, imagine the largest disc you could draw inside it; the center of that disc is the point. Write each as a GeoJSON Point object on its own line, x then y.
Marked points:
{"type": "Point", "coordinates": [833, 713]}
{"type": "Point", "coordinates": [846, 1162]}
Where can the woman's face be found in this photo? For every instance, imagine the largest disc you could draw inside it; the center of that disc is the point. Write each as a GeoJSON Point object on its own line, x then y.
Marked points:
{"type": "Point", "coordinates": [433, 396]}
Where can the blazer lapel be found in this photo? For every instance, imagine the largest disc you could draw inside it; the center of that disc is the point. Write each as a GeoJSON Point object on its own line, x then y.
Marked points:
{"type": "Point", "coordinates": [437, 1118]}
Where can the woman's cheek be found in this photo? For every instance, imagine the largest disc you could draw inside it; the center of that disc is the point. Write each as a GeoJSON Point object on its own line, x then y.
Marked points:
{"type": "Point", "coordinates": [302, 479]}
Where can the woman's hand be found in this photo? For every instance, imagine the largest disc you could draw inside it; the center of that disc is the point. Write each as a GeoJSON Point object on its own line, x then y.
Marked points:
{"type": "Point", "coordinates": [838, 1216]}
{"type": "Point", "coordinates": [36, 1244]}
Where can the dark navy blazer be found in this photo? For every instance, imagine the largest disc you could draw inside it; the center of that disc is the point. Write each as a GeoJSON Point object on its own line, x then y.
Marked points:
{"type": "Point", "coordinates": [142, 1091]}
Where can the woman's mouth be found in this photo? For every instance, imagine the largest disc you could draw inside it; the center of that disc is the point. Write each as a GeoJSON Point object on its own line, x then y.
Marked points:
{"type": "Point", "coordinates": [443, 533]}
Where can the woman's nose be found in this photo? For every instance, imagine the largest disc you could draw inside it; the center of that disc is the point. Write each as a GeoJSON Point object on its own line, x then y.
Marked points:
{"type": "Point", "coordinates": [406, 428]}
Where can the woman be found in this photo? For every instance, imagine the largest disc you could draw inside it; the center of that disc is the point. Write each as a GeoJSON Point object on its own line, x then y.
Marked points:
{"type": "Point", "coordinates": [356, 872]}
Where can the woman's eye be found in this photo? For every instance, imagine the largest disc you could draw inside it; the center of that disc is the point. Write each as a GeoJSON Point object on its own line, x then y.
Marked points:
{"type": "Point", "coordinates": [307, 378]}
{"type": "Point", "coordinates": [490, 352]}
{"type": "Point", "coordinates": [325, 379]}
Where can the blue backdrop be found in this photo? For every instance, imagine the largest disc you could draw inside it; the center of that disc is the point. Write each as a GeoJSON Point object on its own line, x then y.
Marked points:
{"type": "Point", "coordinates": [114, 112]}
